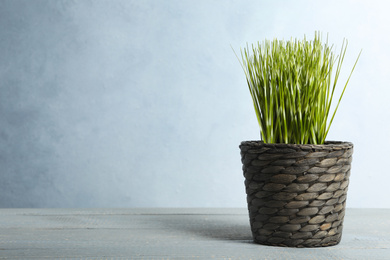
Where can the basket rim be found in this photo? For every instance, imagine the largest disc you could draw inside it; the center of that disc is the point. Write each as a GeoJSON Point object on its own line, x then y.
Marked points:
{"type": "Point", "coordinates": [327, 145]}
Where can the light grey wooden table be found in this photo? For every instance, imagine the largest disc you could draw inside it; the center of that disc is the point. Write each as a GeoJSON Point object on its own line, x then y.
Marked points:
{"type": "Point", "coordinates": [172, 234]}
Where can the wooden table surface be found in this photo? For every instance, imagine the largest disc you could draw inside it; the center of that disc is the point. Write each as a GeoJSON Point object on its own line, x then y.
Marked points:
{"type": "Point", "coordinates": [204, 233]}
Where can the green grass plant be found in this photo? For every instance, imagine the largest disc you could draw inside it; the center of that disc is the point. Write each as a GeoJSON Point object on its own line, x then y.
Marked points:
{"type": "Point", "coordinates": [292, 84]}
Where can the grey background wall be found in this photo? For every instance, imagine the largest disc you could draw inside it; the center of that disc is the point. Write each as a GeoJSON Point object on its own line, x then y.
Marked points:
{"type": "Point", "coordinates": [143, 103]}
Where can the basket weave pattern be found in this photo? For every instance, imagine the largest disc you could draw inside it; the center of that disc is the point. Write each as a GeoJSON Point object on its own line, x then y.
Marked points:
{"type": "Point", "coordinates": [296, 193]}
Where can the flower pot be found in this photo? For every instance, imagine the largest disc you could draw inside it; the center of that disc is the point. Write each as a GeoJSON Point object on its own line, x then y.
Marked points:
{"type": "Point", "coordinates": [296, 193]}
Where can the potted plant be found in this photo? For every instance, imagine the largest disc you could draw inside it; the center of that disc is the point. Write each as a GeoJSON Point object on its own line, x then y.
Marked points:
{"type": "Point", "coordinates": [296, 181]}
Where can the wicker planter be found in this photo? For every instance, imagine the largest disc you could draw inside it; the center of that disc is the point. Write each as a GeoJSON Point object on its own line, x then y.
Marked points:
{"type": "Point", "coordinates": [296, 193]}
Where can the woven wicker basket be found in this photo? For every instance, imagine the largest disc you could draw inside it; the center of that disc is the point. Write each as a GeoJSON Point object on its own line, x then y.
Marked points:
{"type": "Point", "coordinates": [296, 193]}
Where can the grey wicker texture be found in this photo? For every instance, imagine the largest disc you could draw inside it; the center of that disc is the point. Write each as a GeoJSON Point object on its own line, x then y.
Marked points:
{"type": "Point", "coordinates": [296, 193]}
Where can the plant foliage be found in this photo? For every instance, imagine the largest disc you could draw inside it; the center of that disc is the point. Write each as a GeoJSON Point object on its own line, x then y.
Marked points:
{"type": "Point", "coordinates": [292, 84]}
